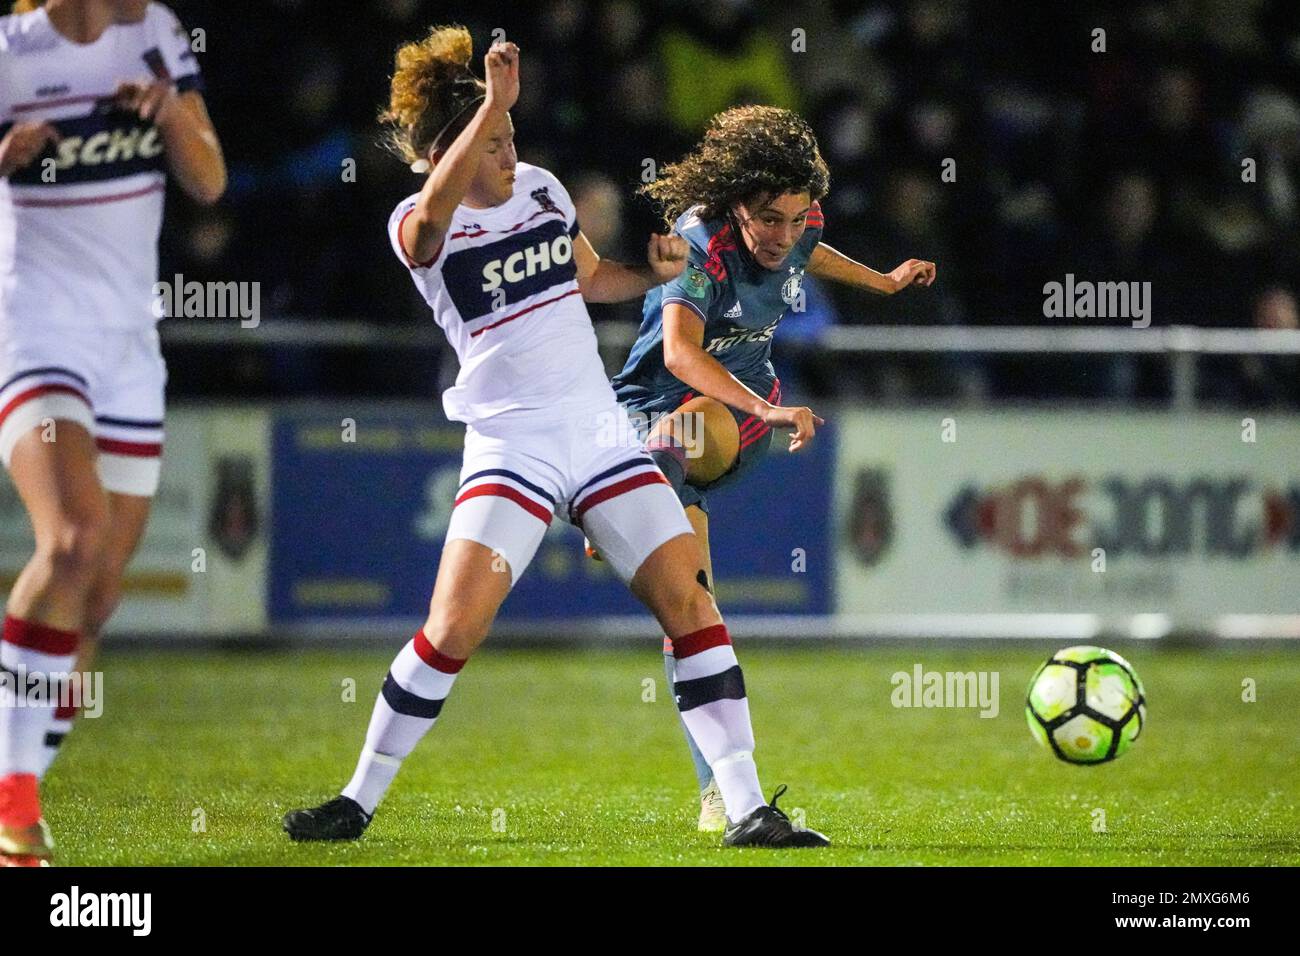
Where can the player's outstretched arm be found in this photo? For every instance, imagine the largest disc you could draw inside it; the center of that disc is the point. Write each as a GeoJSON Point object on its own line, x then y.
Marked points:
{"type": "Point", "coordinates": [685, 357]}
{"type": "Point", "coordinates": [423, 230]}
{"type": "Point", "coordinates": [830, 264]}
{"type": "Point", "coordinates": [604, 280]}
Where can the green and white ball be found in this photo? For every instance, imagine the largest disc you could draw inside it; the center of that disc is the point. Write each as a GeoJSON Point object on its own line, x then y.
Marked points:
{"type": "Point", "coordinates": [1087, 704]}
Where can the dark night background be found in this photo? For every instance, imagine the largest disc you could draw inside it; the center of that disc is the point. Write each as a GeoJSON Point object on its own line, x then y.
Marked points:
{"type": "Point", "coordinates": [1114, 166]}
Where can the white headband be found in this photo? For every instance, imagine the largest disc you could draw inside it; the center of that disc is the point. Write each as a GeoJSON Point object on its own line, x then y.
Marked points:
{"type": "Point", "coordinates": [422, 165]}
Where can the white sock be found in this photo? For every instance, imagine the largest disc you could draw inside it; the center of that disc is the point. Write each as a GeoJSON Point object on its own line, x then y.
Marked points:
{"type": "Point", "coordinates": [55, 733]}
{"type": "Point", "coordinates": [28, 647]}
{"type": "Point", "coordinates": [371, 779]}
{"type": "Point", "coordinates": [710, 691]}
{"type": "Point", "coordinates": [738, 776]}
{"type": "Point", "coordinates": [417, 684]}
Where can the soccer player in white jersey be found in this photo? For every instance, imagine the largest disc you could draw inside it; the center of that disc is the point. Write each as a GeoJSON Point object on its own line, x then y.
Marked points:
{"type": "Point", "coordinates": [99, 100]}
{"type": "Point", "coordinates": [494, 247]}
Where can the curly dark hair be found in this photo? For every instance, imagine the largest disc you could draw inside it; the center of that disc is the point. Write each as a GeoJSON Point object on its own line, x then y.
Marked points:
{"type": "Point", "coordinates": [747, 152]}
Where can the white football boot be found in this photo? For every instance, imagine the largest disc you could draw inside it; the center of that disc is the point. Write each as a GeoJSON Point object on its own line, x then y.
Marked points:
{"type": "Point", "coordinates": [713, 815]}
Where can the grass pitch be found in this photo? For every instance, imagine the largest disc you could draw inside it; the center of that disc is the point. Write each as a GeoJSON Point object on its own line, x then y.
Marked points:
{"type": "Point", "coordinates": [553, 757]}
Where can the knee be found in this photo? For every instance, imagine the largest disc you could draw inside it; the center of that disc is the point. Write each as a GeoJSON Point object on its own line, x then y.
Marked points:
{"type": "Point", "coordinates": [695, 605]}
{"type": "Point", "coordinates": [75, 545]}
{"type": "Point", "coordinates": [700, 603]}
{"type": "Point", "coordinates": [454, 633]}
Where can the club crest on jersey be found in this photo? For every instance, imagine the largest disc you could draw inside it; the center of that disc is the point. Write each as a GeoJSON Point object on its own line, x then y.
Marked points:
{"type": "Point", "coordinates": [790, 290]}
{"type": "Point", "coordinates": [544, 200]}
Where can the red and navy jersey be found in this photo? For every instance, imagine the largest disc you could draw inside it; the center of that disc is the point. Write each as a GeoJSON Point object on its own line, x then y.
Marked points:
{"type": "Point", "coordinates": [739, 301]}
{"type": "Point", "coordinates": [79, 226]}
{"type": "Point", "coordinates": [503, 287]}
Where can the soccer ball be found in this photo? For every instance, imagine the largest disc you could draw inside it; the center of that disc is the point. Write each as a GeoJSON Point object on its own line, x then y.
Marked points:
{"type": "Point", "coordinates": [1087, 704]}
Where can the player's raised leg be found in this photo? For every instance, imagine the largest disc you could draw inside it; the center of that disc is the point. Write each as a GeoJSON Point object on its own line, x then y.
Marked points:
{"type": "Point", "coordinates": [697, 443]}
{"type": "Point", "coordinates": [53, 468]}
{"type": "Point", "coordinates": [496, 527]}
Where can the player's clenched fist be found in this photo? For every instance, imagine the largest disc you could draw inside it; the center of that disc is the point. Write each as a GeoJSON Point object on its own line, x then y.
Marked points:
{"type": "Point", "coordinates": [666, 256]}
{"type": "Point", "coordinates": [501, 66]}
{"type": "Point", "coordinates": [23, 143]}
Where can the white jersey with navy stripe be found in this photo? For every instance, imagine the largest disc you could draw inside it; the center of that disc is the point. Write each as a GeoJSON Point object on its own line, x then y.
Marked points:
{"type": "Point", "coordinates": [503, 286]}
{"type": "Point", "coordinates": [79, 226]}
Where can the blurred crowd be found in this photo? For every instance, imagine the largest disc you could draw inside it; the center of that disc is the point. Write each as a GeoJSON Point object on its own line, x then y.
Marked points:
{"type": "Point", "coordinates": [1145, 141]}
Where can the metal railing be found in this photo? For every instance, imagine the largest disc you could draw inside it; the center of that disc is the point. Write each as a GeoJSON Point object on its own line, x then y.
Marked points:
{"type": "Point", "coordinates": [1181, 344]}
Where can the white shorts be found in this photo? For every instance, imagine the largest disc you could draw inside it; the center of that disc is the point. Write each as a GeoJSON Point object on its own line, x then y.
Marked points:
{"type": "Point", "coordinates": [108, 381]}
{"type": "Point", "coordinates": [518, 475]}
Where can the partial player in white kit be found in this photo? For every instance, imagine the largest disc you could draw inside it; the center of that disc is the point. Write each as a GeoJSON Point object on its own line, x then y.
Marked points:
{"type": "Point", "coordinates": [495, 248]}
{"type": "Point", "coordinates": [99, 100]}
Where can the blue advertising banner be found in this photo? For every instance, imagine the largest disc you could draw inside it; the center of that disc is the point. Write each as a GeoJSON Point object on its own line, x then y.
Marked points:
{"type": "Point", "coordinates": [361, 501]}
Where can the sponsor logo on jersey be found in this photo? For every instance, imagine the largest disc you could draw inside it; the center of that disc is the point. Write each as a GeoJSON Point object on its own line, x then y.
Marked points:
{"type": "Point", "coordinates": [737, 334]}
{"type": "Point", "coordinates": [96, 147]}
{"type": "Point", "coordinates": [483, 280]}
{"type": "Point", "coordinates": [733, 312]}
{"type": "Point", "coordinates": [527, 262]}
{"type": "Point", "coordinates": [109, 146]}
